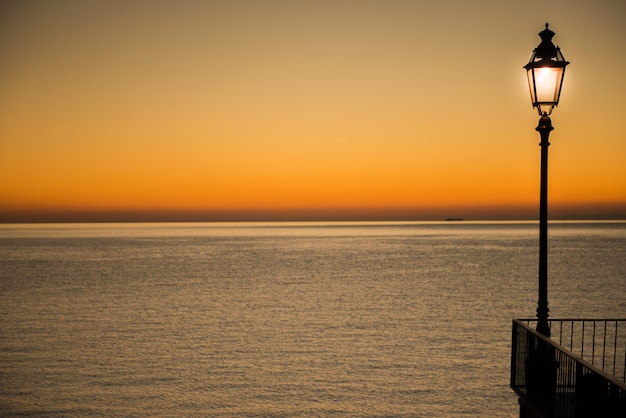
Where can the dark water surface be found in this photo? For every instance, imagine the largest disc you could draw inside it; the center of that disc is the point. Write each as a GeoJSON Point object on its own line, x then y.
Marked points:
{"type": "Point", "coordinates": [284, 319]}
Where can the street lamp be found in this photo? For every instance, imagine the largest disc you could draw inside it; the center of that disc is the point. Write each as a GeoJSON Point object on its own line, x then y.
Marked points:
{"type": "Point", "coordinates": [545, 71]}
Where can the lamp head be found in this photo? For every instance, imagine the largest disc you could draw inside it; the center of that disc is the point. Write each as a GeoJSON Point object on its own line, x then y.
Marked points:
{"type": "Point", "coordinates": [545, 72]}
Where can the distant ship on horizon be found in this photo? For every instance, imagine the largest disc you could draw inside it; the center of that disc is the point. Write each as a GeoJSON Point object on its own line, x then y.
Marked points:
{"type": "Point", "coordinates": [454, 219]}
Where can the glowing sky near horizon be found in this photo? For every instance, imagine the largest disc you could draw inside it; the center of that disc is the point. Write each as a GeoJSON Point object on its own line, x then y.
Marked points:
{"type": "Point", "coordinates": [412, 107]}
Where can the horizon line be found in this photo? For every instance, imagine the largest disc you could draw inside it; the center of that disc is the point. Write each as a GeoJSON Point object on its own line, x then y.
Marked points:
{"type": "Point", "coordinates": [452, 220]}
{"type": "Point", "coordinates": [510, 212]}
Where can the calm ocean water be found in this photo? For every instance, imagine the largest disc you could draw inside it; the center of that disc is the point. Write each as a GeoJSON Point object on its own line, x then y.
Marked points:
{"type": "Point", "coordinates": [285, 319]}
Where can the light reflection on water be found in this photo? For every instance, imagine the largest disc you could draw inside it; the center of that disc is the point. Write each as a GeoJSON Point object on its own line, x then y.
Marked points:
{"type": "Point", "coordinates": [351, 319]}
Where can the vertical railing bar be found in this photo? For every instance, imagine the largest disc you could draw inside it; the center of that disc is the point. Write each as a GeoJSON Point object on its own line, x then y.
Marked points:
{"type": "Point", "coordinates": [558, 383]}
{"type": "Point", "coordinates": [594, 337]}
{"type": "Point", "coordinates": [572, 380]}
{"type": "Point", "coordinates": [582, 339]}
{"type": "Point", "coordinates": [593, 345]}
{"type": "Point", "coordinates": [573, 399]}
{"type": "Point", "coordinates": [594, 334]}
{"type": "Point", "coordinates": [615, 350]}
{"type": "Point", "coordinates": [514, 355]}
{"type": "Point", "coordinates": [571, 336]}
{"type": "Point", "coordinates": [604, 348]}
{"type": "Point", "coordinates": [624, 375]}
{"type": "Point", "coordinates": [566, 384]}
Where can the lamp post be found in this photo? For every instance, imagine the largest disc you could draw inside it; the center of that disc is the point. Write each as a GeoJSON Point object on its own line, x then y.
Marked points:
{"type": "Point", "coordinates": [545, 71]}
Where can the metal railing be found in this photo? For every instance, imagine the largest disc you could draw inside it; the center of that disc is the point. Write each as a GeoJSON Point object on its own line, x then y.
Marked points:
{"type": "Point", "coordinates": [554, 381]}
{"type": "Point", "coordinates": [601, 342]}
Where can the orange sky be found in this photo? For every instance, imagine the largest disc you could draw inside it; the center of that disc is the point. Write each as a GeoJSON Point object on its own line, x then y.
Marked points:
{"type": "Point", "coordinates": [159, 110]}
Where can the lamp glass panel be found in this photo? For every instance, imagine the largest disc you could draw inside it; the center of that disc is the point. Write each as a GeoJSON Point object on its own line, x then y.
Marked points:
{"type": "Point", "coordinates": [547, 84]}
{"type": "Point", "coordinates": [531, 86]}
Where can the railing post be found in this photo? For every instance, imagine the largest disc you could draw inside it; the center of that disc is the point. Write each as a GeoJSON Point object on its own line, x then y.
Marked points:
{"type": "Point", "coordinates": [542, 378]}
{"type": "Point", "coordinates": [513, 377]}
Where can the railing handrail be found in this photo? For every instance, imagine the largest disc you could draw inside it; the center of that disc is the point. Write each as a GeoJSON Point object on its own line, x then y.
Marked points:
{"type": "Point", "coordinates": [575, 319]}
{"type": "Point", "coordinates": [572, 355]}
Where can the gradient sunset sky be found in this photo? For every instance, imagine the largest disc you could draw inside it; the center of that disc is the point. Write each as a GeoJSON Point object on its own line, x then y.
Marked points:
{"type": "Point", "coordinates": [284, 110]}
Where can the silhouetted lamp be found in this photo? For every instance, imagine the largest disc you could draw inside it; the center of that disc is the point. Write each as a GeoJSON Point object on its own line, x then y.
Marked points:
{"type": "Point", "coordinates": [545, 70]}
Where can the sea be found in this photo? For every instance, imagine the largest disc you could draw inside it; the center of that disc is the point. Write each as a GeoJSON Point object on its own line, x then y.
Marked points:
{"type": "Point", "coordinates": [337, 319]}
